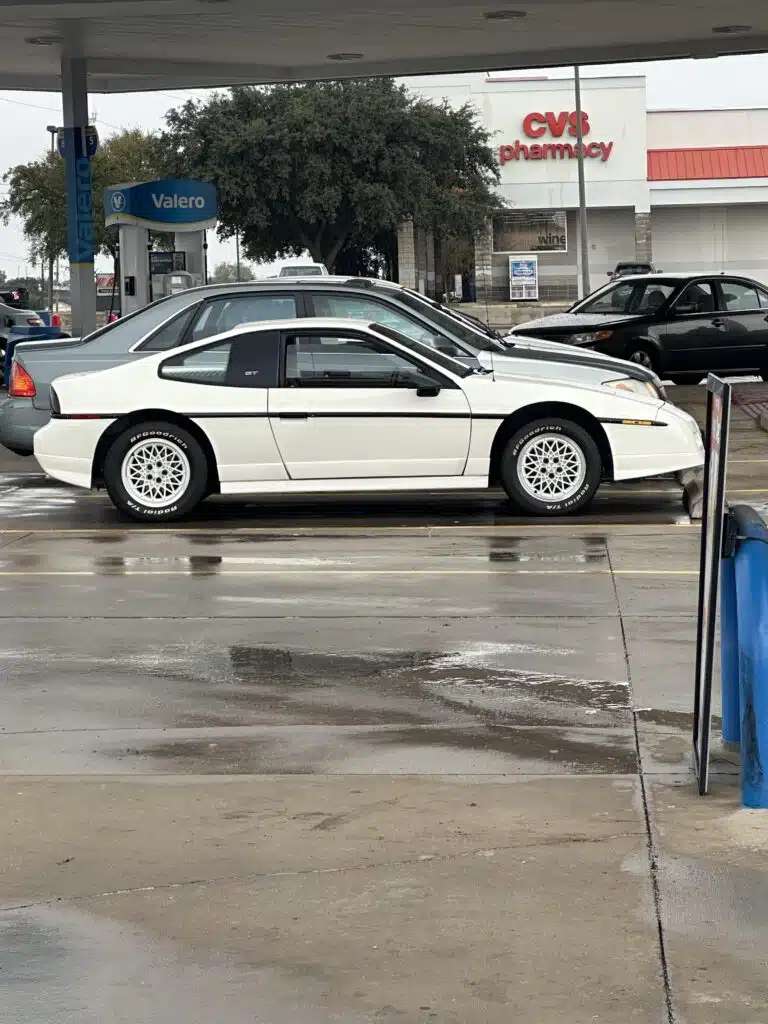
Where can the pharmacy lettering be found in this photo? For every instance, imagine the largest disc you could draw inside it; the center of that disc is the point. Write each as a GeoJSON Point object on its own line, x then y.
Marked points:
{"type": "Point", "coordinates": [555, 125]}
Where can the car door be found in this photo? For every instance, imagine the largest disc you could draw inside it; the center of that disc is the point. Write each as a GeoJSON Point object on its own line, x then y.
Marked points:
{"type": "Point", "coordinates": [746, 322]}
{"type": "Point", "coordinates": [695, 336]}
{"type": "Point", "coordinates": [224, 387]}
{"type": "Point", "coordinates": [350, 406]}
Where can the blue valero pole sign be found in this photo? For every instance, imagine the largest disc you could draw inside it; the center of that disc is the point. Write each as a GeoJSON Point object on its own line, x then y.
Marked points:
{"type": "Point", "coordinates": [170, 203]}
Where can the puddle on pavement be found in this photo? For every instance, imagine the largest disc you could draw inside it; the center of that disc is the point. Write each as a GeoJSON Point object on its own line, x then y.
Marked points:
{"type": "Point", "coordinates": [60, 966]}
{"type": "Point", "coordinates": [586, 550]}
{"type": "Point", "coordinates": [419, 750]}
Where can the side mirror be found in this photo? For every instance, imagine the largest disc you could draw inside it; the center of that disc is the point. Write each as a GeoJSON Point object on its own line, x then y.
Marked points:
{"type": "Point", "coordinates": [424, 386]}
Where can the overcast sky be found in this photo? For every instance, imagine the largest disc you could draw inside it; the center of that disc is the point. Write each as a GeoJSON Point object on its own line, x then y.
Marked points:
{"type": "Point", "coordinates": [687, 84]}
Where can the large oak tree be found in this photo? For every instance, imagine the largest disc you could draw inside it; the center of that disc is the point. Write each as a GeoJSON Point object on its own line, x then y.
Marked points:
{"type": "Point", "coordinates": [332, 168]}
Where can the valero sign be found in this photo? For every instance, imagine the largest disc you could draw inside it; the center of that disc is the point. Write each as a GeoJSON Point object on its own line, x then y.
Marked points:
{"type": "Point", "coordinates": [176, 203]}
{"type": "Point", "coordinates": [549, 125]}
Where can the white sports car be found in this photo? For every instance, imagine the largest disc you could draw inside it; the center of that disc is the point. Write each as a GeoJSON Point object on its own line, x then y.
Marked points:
{"type": "Point", "coordinates": [334, 406]}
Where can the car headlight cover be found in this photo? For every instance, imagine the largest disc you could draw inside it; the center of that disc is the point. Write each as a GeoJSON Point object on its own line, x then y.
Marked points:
{"type": "Point", "coordinates": [644, 388]}
{"type": "Point", "coordinates": [590, 337]}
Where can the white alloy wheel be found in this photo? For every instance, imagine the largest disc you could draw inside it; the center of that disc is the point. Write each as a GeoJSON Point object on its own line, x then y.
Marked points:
{"type": "Point", "coordinates": [155, 472]}
{"type": "Point", "coordinates": [551, 467]}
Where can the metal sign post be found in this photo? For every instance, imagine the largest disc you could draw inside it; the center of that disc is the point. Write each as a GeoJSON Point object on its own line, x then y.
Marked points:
{"type": "Point", "coordinates": [718, 420]}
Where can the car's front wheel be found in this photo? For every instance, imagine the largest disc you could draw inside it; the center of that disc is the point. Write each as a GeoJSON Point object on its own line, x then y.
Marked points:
{"type": "Point", "coordinates": [155, 472]}
{"type": "Point", "coordinates": [643, 356]}
{"type": "Point", "coordinates": [551, 467]}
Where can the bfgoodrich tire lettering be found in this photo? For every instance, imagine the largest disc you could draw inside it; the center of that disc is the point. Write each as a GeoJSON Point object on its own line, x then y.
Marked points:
{"type": "Point", "coordinates": [551, 467]}
{"type": "Point", "coordinates": [155, 472]}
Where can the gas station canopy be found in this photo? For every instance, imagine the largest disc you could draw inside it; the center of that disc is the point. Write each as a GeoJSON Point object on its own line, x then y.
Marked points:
{"type": "Point", "coordinates": [133, 45]}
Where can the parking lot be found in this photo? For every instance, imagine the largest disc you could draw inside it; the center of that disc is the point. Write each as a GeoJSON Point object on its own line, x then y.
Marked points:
{"type": "Point", "coordinates": [368, 760]}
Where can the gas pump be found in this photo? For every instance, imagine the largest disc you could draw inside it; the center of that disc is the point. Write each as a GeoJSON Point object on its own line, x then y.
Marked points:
{"type": "Point", "coordinates": [173, 283]}
{"type": "Point", "coordinates": [186, 207]}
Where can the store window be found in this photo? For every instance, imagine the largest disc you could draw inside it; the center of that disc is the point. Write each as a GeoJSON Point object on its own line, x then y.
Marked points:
{"type": "Point", "coordinates": [519, 231]}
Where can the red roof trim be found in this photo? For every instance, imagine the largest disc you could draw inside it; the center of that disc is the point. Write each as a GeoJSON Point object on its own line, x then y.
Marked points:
{"type": "Point", "coordinates": [710, 164]}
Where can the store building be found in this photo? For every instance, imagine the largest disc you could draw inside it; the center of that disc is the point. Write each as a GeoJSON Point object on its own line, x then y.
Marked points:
{"type": "Point", "coordinates": [685, 189]}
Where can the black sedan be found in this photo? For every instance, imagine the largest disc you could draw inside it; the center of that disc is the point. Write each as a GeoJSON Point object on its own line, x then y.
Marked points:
{"type": "Point", "coordinates": [680, 326]}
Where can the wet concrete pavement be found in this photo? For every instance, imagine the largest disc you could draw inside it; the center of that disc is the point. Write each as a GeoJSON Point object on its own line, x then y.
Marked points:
{"type": "Point", "coordinates": [396, 761]}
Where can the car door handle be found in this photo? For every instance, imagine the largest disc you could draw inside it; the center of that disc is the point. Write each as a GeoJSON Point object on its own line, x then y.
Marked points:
{"type": "Point", "coordinates": [293, 415]}
{"type": "Point", "coordinates": [718, 323]}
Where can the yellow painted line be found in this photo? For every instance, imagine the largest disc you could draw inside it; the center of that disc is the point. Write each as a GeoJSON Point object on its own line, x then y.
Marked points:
{"type": "Point", "coordinates": [257, 573]}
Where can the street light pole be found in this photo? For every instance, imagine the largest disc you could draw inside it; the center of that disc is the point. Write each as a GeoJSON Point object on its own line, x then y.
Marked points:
{"type": "Point", "coordinates": [53, 131]}
{"type": "Point", "coordinates": [583, 236]}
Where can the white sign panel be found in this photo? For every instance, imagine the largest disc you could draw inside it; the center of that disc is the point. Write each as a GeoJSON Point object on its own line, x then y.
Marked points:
{"type": "Point", "coordinates": [523, 278]}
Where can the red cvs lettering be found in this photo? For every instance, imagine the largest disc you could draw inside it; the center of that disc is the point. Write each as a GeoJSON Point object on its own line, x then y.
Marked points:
{"type": "Point", "coordinates": [535, 125]}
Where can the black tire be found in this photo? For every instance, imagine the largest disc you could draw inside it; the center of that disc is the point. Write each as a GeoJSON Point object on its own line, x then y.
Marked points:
{"type": "Point", "coordinates": [570, 503]}
{"type": "Point", "coordinates": [179, 504]}
{"type": "Point", "coordinates": [643, 355]}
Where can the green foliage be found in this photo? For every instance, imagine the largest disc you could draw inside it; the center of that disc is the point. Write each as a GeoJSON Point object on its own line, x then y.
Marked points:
{"type": "Point", "coordinates": [332, 168]}
{"type": "Point", "coordinates": [37, 191]}
{"type": "Point", "coordinates": [227, 272]}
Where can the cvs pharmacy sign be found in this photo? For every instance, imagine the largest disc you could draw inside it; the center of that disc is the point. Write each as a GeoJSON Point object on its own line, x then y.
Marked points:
{"type": "Point", "coordinates": [555, 125]}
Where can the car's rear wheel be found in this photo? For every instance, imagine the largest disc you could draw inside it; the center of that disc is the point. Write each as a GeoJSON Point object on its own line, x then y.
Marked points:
{"type": "Point", "coordinates": [551, 467]}
{"type": "Point", "coordinates": [156, 472]}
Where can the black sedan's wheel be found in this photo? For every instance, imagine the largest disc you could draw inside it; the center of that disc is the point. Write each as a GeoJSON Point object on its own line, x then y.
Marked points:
{"type": "Point", "coordinates": [551, 467]}
{"type": "Point", "coordinates": [155, 472]}
{"type": "Point", "coordinates": [643, 356]}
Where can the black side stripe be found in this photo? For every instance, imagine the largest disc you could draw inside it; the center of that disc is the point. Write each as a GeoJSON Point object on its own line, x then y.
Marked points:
{"type": "Point", "coordinates": [297, 414]}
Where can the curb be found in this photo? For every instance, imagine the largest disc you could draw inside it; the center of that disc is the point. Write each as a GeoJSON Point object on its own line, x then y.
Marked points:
{"type": "Point", "coordinates": [692, 482]}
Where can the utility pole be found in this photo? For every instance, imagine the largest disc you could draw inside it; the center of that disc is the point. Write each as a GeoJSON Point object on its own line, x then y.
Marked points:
{"type": "Point", "coordinates": [237, 255]}
{"type": "Point", "coordinates": [583, 236]}
{"type": "Point", "coordinates": [53, 130]}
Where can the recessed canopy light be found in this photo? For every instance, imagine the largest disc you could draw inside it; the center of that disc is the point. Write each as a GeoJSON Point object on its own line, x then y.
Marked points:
{"type": "Point", "coordinates": [728, 30]}
{"type": "Point", "coordinates": [505, 15]}
{"type": "Point", "coordinates": [345, 56]}
{"type": "Point", "coordinates": [43, 40]}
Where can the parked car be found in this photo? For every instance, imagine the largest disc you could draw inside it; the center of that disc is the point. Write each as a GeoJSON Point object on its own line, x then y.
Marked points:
{"type": "Point", "coordinates": [630, 269]}
{"type": "Point", "coordinates": [304, 270]}
{"type": "Point", "coordinates": [680, 326]}
{"type": "Point", "coordinates": [337, 405]}
{"type": "Point", "coordinates": [13, 315]}
{"type": "Point", "coordinates": [199, 313]}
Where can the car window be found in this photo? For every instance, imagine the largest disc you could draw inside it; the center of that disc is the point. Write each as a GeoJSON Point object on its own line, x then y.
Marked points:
{"type": "Point", "coordinates": [739, 297]}
{"type": "Point", "coordinates": [344, 361]}
{"type": "Point", "coordinates": [245, 361]}
{"type": "Point", "coordinates": [697, 299]}
{"type": "Point", "coordinates": [230, 311]}
{"type": "Point", "coordinates": [763, 297]}
{"type": "Point", "coordinates": [359, 307]}
{"type": "Point", "coordinates": [123, 334]}
{"type": "Point", "coordinates": [170, 334]}
{"type": "Point", "coordinates": [638, 297]}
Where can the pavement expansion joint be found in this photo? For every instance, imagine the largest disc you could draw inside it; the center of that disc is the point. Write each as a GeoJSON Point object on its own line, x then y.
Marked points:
{"type": "Point", "coordinates": [653, 856]}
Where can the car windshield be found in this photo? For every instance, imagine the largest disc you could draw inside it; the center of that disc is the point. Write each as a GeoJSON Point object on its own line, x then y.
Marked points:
{"type": "Point", "coordinates": [309, 271]}
{"type": "Point", "coordinates": [452, 365]}
{"type": "Point", "coordinates": [475, 339]}
{"type": "Point", "coordinates": [632, 297]}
